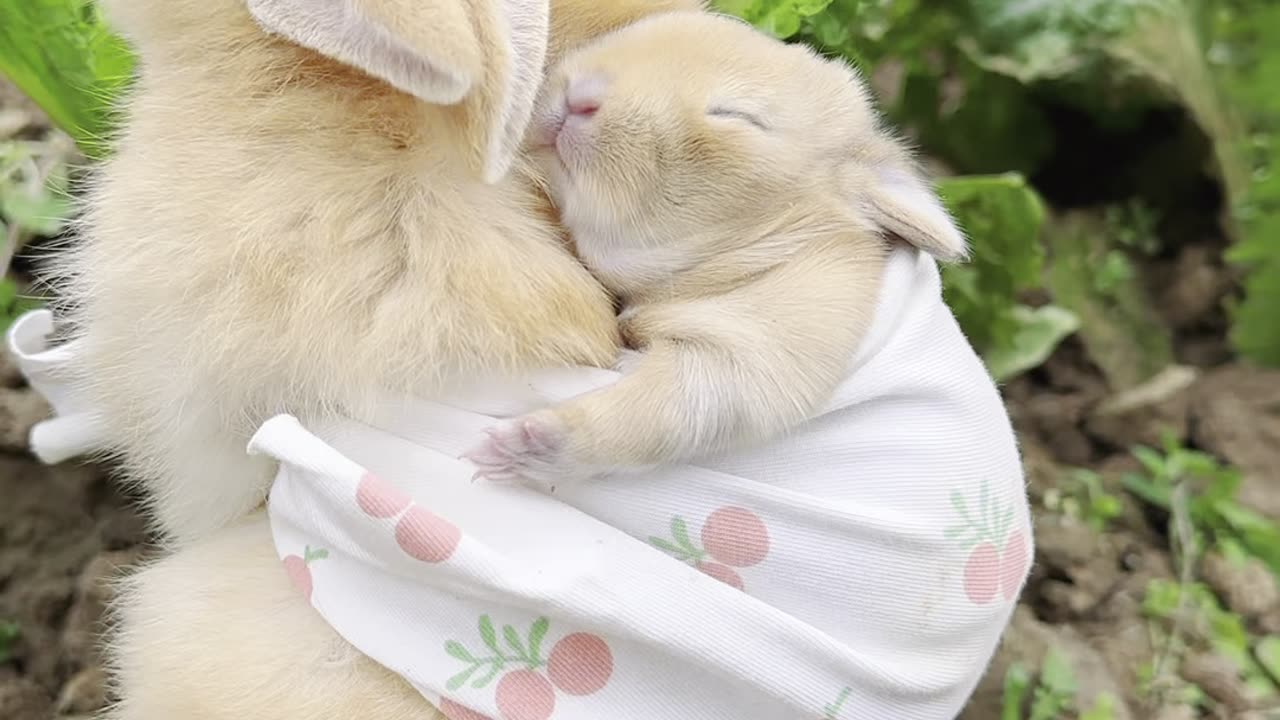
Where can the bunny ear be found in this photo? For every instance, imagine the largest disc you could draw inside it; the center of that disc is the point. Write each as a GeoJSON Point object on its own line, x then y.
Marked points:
{"type": "Point", "coordinates": [902, 203]}
{"type": "Point", "coordinates": [426, 48]}
{"type": "Point", "coordinates": [488, 53]}
{"type": "Point", "coordinates": [522, 27]}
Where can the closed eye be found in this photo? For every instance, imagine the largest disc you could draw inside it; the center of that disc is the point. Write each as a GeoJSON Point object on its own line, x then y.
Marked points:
{"type": "Point", "coordinates": [736, 114]}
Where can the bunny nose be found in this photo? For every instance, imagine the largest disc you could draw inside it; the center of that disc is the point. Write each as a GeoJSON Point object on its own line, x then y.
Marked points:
{"type": "Point", "coordinates": [584, 95]}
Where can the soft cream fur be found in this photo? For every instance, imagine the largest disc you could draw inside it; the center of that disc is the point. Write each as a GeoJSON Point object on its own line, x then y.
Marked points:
{"type": "Point", "coordinates": [217, 632]}
{"type": "Point", "coordinates": [739, 195]}
{"type": "Point", "coordinates": [279, 231]}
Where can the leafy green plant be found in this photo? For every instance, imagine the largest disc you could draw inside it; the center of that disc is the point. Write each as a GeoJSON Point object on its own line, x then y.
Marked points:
{"type": "Point", "coordinates": [1248, 58]}
{"type": "Point", "coordinates": [1055, 693]}
{"type": "Point", "coordinates": [1212, 505]}
{"type": "Point", "coordinates": [12, 303]}
{"type": "Point", "coordinates": [62, 55]}
{"type": "Point", "coordinates": [1084, 498]}
{"type": "Point", "coordinates": [1052, 693]}
{"type": "Point", "coordinates": [1267, 652]}
{"type": "Point", "coordinates": [34, 197]}
{"type": "Point", "coordinates": [1194, 609]}
{"type": "Point", "coordinates": [9, 633]}
{"type": "Point", "coordinates": [1168, 687]}
{"type": "Point", "coordinates": [1000, 212]}
{"type": "Point", "coordinates": [967, 77]}
{"type": "Point", "coordinates": [1196, 486]}
{"type": "Point", "coordinates": [1002, 215]}
{"type": "Point", "coordinates": [1017, 683]}
{"type": "Point", "coordinates": [1104, 708]}
{"type": "Point", "coordinates": [33, 185]}
{"type": "Point", "coordinates": [1121, 331]}
{"type": "Point", "coordinates": [1131, 227]}
{"type": "Point", "coordinates": [34, 201]}
{"type": "Point", "coordinates": [782, 18]}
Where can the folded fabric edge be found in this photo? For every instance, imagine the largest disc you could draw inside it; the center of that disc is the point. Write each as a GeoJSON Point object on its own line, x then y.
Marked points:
{"type": "Point", "coordinates": [60, 439]}
{"type": "Point", "coordinates": [66, 435]}
{"type": "Point", "coordinates": [28, 336]}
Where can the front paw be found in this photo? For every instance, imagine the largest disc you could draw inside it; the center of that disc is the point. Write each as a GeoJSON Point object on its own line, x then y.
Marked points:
{"type": "Point", "coordinates": [531, 449]}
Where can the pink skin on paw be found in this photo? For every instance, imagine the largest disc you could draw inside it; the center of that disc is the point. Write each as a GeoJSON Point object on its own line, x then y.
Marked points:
{"type": "Point", "coordinates": [525, 695]}
{"type": "Point", "coordinates": [525, 449]}
{"type": "Point", "coordinates": [426, 536]}
{"type": "Point", "coordinates": [580, 664]}
{"type": "Point", "coordinates": [379, 498]}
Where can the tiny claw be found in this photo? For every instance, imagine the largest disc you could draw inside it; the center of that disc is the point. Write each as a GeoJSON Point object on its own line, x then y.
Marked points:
{"type": "Point", "coordinates": [522, 450]}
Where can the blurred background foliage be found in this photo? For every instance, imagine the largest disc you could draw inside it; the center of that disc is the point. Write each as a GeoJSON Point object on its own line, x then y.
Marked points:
{"type": "Point", "coordinates": [1141, 125]}
{"type": "Point", "coordinates": [1074, 140]}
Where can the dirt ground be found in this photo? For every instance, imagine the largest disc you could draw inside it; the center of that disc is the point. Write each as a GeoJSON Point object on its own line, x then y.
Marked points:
{"type": "Point", "coordinates": [67, 530]}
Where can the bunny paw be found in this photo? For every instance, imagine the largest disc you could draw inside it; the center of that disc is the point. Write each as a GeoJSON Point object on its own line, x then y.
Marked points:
{"type": "Point", "coordinates": [529, 449]}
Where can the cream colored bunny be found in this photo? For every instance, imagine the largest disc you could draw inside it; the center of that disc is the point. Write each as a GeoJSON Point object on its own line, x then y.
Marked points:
{"type": "Point", "coordinates": [271, 198]}
{"type": "Point", "coordinates": [740, 196]}
{"type": "Point", "coordinates": [295, 219]}
{"type": "Point", "coordinates": [215, 631]}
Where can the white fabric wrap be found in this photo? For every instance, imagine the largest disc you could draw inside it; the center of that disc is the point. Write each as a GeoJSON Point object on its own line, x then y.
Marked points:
{"type": "Point", "coordinates": [863, 568]}
{"type": "Point", "coordinates": [73, 430]}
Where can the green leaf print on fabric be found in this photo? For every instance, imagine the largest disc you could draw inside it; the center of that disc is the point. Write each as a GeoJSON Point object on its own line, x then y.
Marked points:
{"type": "Point", "coordinates": [832, 711]}
{"type": "Point", "coordinates": [526, 684]}
{"type": "Point", "coordinates": [998, 552]}
{"type": "Point", "coordinates": [732, 538]}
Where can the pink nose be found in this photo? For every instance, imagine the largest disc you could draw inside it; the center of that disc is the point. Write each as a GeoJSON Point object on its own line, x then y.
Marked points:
{"type": "Point", "coordinates": [584, 95]}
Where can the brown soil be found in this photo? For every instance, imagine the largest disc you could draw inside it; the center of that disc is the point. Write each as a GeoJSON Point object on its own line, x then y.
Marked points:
{"type": "Point", "coordinates": [64, 531]}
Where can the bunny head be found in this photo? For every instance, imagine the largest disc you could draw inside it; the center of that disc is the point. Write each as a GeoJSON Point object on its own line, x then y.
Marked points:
{"type": "Point", "coordinates": [480, 60]}
{"type": "Point", "coordinates": [483, 60]}
{"type": "Point", "coordinates": [687, 121]}
{"type": "Point", "coordinates": [487, 55]}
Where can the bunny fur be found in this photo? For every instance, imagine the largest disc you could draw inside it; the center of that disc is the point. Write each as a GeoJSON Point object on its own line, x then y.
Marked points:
{"type": "Point", "coordinates": [281, 231]}
{"type": "Point", "coordinates": [278, 230]}
{"type": "Point", "coordinates": [740, 195]}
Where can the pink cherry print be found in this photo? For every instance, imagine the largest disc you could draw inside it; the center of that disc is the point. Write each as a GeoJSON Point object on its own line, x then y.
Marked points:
{"type": "Point", "coordinates": [982, 574]}
{"type": "Point", "coordinates": [453, 711]}
{"type": "Point", "coordinates": [299, 569]}
{"type": "Point", "coordinates": [426, 536]}
{"type": "Point", "coordinates": [580, 664]}
{"type": "Point", "coordinates": [299, 575]}
{"type": "Point", "coordinates": [525, 695]}
{"type": "Point", "coordinates": [379, 498]}
{"type": "Point", "coordinates": [723, 573]}
{"type": "Point", "coordinates": [735, 537]}
{"type": "Point", "coordinates": [1013, 564]}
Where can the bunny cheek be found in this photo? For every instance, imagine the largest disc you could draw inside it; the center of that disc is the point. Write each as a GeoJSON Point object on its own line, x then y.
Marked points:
{"type": "Point", "coordinates": [575, 142]}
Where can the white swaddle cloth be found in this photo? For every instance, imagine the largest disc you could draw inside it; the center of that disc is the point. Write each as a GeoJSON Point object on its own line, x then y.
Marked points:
{"type": "Point", "coordinates": [863, 568]}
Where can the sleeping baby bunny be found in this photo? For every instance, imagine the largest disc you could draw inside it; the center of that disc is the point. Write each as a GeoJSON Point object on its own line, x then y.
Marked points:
{"type": "Point", "coordinates": [309, 205]}
{"type": "Point", "coordinates": [740, 196]}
